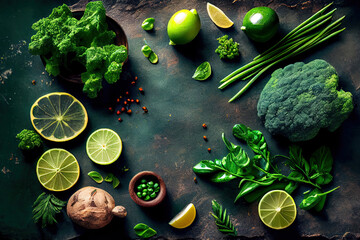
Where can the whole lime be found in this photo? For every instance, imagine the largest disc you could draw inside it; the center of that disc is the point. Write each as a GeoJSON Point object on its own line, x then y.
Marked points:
{"type": "Point", "coordinates": [183, 26]}
{"type": "Point", "coordinates": [260, 24]}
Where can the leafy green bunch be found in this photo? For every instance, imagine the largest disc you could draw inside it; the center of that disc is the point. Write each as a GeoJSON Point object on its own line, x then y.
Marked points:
{"type": "Point", "coordinates": [64, 41]}
{"type": "Point", "coordinates": [259, 174]}
{"type": "Point", "coordinates": [228, 48]}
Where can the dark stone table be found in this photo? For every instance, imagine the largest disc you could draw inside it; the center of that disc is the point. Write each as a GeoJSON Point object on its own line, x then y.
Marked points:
{"type": "Point", "coordinates": [169, 138]}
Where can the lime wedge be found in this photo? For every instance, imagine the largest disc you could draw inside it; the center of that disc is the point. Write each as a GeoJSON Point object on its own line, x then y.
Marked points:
{"type": "Point", "coordinates": [277, 209]}
{"type": "Point", "coordinates": [58, 116]}
{"type": "Point", "coordinates": [184, 218]}
{"type": "Point", "coordinates": [218, 16]}
{"type": "Point", "coordinates": [57, 170]}
{"type": "Point", "coordinates": [104, 146]}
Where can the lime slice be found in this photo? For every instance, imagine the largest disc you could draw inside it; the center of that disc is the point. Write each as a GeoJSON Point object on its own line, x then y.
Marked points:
{"type": "Point", "coordinates": [184, 218]}
{"type": "Point", "coordinates": [58, 116]}
{"type": "Point", "coordinates": [104, 146]}
{"type": "Point", "coordinates": [57, 170]}
{"type": "Point", "coordinates": [218, 16]}
{"type": "Point", "coordinates": [277, 209]}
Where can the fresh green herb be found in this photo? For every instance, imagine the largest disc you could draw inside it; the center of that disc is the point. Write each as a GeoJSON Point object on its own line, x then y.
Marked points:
{"type": "Point", "coordinates": [222, 219]}
{"type": "Point", "coordinates": [144, 231]}
{"type": "Point", "coordinates": [29, 139]}
{"type": "Point", "coordinates": [146, 50]}
{"type": "Point", "coordinates": [202, 72]}
{"type": "Point", "coordinates": [259, 174]}
{"type": "Point", "coordinates": [315, 199]}
{"type": "Point", "coordinates": [228, 48]}
{"type": "Point", "coordinates": [96, 176]}
{"type": "Point", "coordinates": [313, 31]}
{"type": "Point", "coordinates": [148, 24]}
{"type": "Point", "coordinates": [109, 178]}
{"type": "Point", "coordinates": [45, 207]}
{"type": "Point", "coordinates": [115, 182]}
{"type": "Point", "coordinates": [64, 42]}
{"type": "Point", "coordinates": [292, 88]}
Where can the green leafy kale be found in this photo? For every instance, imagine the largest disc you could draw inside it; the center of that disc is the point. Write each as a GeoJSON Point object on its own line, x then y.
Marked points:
{"type": "Point", "coordinates": [63, 41]}
{"type": "Point", "coordinates": [228, 48]}
{"type": "Point", "coordinates": [260, 174]}
{"type": "Point", "coordinates": [29, 139]}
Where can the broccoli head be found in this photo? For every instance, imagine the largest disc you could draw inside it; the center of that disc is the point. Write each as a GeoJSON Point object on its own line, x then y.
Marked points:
{"type": "Point", "coordinates": [29, 139]}
{"type": "Point", "coordinates": [301, 99]}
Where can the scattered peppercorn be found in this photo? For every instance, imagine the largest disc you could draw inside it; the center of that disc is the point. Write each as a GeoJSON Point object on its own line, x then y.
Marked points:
{"type": "Point", "coordinates": [133, 83]}
{"type": "Point", "coordinates": [136, 78]}
{"type": "Point", "coordinates": [132, 100]}
{"type": "Point", "coordinates": [145, 109]}
{"type": "Point", "coordinates": [209, 149]}
{"type": "Point", "coordinates": [120, 97]}
{"type": "Point", "coordinates": [129, 111]}
{"type": "Point", "coordinates": [195, 180]}
{"type": "Point", "coordinates": [118, 112]}
{"type": "Point", "coordinates": [118, 100]}
{"type": "Point", "coordinates": [126, 93]}
{"type": "Point", "coordinates": [125, 102]}
{"type": "Point", "coordinates": [137, 101]}
{"type": "Point", "coordinates": [205, 138]}
{"type": "Point", "coordinates": [204, 126]}
{"type": "Point", "coordinates": [123, 109]}
{"type": "Point", "coordinates": [141, 90]}
{"type": "Point", "coordinates": [33, 82]}
{"type": "Point", "coordinates": [128, 100]}
{"type": "Point", "coordinates": [119, 119]}
{"type": "Point", "coordinates": [110, 109]}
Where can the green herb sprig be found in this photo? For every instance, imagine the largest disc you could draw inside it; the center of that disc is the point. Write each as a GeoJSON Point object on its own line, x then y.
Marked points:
{"type": "Point", "coordinates": [222, 219]}
{"type": "Point", "coordinates": [259, 174]}
{"type": "Point", "coordinates": [144, 231]}
{"type": "Point", "coordinates": [45, 207]}
{"type": "Point", "coordinates": [313, 31]}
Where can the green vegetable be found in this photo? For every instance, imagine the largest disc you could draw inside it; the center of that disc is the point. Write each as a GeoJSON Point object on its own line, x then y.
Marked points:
{"type": "Point", "coordinates": [153, 58]}
{"type": "Point", "coordinates": [111, 178]}
{"type": "Point", "coordinates": [45, 207]}
{"type": "Point", "coordinates": [260, 24]}
{"type": "Point", "coordinates": [147, 189]}
{"type": "Point", "coordinates": [227, 48]}
{"type": "Point", "coordinates": [259, 174]}
{"type": "Point", "coordinates": [29, 139]}
{"type": "Point", "coordinates": [96, 176]}
{"type": "Point", "coordinates": [222, 219]}
{"type": "Point", "coordinates": [146, 50]}
{"type": "Point", "coordinates": [202, 72]}
{"type": "Point", "coordinates": [301, 99]}
{"type": "Point", "coordinates": [314, 198]}
{"type": "Point", "coordinates": [63, 42]}
{"type": "Point", "coordinates": [313, 31]}
{"type": "Point", "coordinates": [148, 24]}
{"type": "Point", "coordinates": [144, 231]}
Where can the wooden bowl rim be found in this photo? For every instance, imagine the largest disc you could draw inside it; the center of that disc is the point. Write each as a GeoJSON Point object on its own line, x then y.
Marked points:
{"type": "Point", "coordinates": [159, 198]}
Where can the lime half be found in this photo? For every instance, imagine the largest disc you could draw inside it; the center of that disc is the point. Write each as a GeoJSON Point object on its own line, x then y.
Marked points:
{"type": "Point", "coordinates": [58, 116]}
{"type": "Point", "coordinates": [57, 170]}
{"type": "Point", "coordinates": [277, 209]}
{"type": "Point", "coordinates": [104, 146]}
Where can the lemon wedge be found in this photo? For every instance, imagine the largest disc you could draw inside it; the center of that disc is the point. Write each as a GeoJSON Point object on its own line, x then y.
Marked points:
{"type": "Point", "coordinates": [184, 218]}
{"type": "Point", "coordinates": [218, 16]}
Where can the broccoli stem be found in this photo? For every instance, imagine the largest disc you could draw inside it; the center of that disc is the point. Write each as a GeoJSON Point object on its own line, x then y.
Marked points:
{"type": "Point", "coordinates": [307, 35]}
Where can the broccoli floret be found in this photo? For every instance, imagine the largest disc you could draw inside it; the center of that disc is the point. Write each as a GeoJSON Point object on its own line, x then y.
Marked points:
{"type": "Point", "coordinates": [301, 99]}
{"type": "Point", "coordinates": [227, 48]}
{"type": "Point", "coordinates": [29, 139]}
{"type": "Point", "coordinates": [92, 83]}
{"type": "Point", "coordinates": [95, 58]}
{"type": "Point", "coordinates": [113, 72]}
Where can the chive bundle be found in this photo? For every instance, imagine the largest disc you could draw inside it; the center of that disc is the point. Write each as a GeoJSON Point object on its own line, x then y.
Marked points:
{"type": "Point", "coordinates": [307, 35]}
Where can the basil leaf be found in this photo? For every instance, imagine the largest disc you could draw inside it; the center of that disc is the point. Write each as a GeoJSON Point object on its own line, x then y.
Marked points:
{"type": "Point", "coordinates": [148, 24]}
{"type": "Point", "coordinates": [222, 177]}
{"type": "Point", "coordinates": [96, 176]}
{"type": "Point", "coordinates": [115, 182]}
{"type": "Point", "coordinates": [109, 177]}
{"type": "Point", "coordinates": [205, 167]}
{"type": "Point", "coordinates": [202, 72]}
{"type": "Point", "coordinates": [144, 231]}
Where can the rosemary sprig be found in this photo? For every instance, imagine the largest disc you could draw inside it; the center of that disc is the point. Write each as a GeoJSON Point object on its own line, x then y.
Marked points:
{"type": "Point", "coordinates": [222, 219]}
{"type": "Point", "coordinates": [45, 207]}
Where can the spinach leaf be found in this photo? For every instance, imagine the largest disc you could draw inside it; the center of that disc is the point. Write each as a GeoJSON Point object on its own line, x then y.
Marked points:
{"type": "Point", "coordinates": [222, 177]}
{"type": "Point", "coordinates": [206, 167]}
{"type": "Point", "coordinates": [148, 24]}
{"type": "Point", "coordinates": [202, 72]}
{"type": "Point", "coordinates": [321, 163]}
{"type": "Point", "coordinates": [144, 231]}
{"type": "Point", "coordinates": [313, 198]}
{"type": "Point", "coordinates": [96, 176]}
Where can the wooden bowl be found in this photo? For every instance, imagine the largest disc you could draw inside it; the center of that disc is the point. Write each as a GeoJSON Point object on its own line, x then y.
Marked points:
{"type": "Point", "coordinates": [147, 175]}
{"type": "Point", "coordinates": [120, 39]}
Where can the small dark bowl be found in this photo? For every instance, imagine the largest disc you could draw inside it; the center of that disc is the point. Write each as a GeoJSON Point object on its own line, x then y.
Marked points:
{"type": "Point", "coordinates": [74, 75]}
{"type": "Point", "coordinates": [149, 175]}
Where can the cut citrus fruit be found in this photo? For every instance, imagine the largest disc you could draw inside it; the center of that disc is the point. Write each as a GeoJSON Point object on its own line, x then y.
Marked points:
{"type": "Point", "coordinates": [104, 146]}
{"type": "Point", "coordinates": [277, 209]}
{"type": "Point", "coordinates": [58, 116]}
{"type": "Point", "coordinates": [57, 170]}
{"type": "Point", "coordinates": [184, 218]}
{"type": "Point", "coordinates": [218, 16]}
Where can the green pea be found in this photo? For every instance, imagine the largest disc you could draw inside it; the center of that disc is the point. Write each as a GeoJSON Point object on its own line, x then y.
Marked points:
{"type": "Point", "coordinates": [157, 189]}
{"type": "Point", "coordinates": [139, 194]}
{"type": "Point", "coordinates": [144, 194]}
{"type": "Point", "coordinates": [150, 190]}
{"type": "Point", "coordinates": [146, 50]}
{"type": "Point", "coordinates": [150, 184]}
{"type": "Point", "coordinates": [153, 195]}
{"type": "Point", "coordinates": [156, 185]}
{"type": "Point", "coordinates": [139, 188]}
{"type": "Point", "coordinates": [147, 198]}
{"type": "Point", "coordinates": [143, 181]}
{"type": "Point", "coordinates": [143, 185]}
